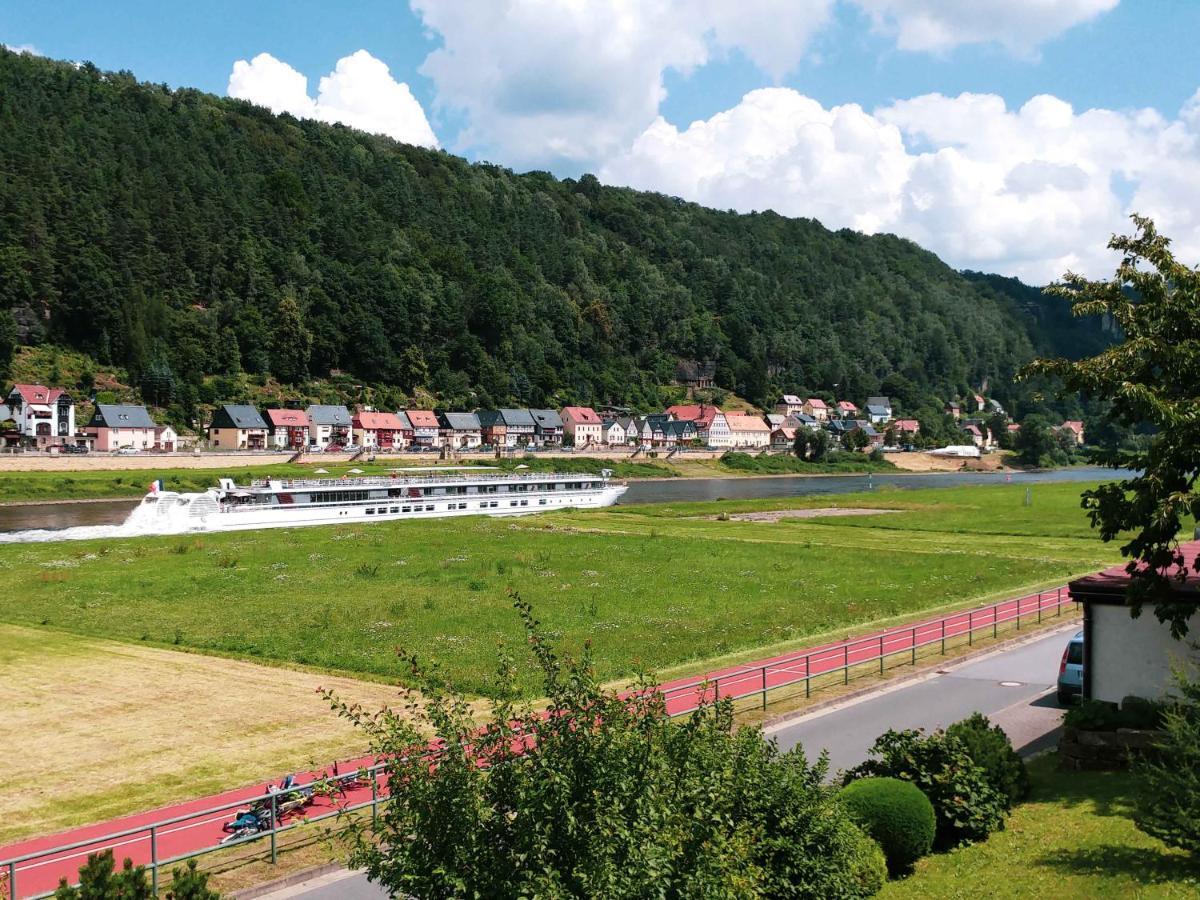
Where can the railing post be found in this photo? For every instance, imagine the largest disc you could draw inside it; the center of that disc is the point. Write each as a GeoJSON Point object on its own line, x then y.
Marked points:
{"type": "Point", "coordinates": [914, 645]}
{"type": "Point", "coordinates": [374, 797]}
{"type": "Point", "coordinates": [1058, 603]}
{"type": "Point", "coordinates": [943, 637]}
{"type": "Point", "coordinates": [807, 676]}
{"type": "Point", "coordinates": [970, 628]}
{"type": "Point", "coordinates": [716, 689]}
{"type": "Point", "coordinates": [764, 679]}
{"type": "Point", "coordinates": [881, 654]}
{"type": "Point", "coordinates": [1039, 607]}
{"type": "Point", "coordinates": [995, 621]}
{"type": "Point", "coordinates": [274, 827]}
{"type": "Point", "coordinates": [1018, 614]}
{"type": "Point", "coordinates": [154, 860]}
{"type": "Point", "coordinates": [12, 881]}
{"type": "Point", "coordinates": [846, 663]}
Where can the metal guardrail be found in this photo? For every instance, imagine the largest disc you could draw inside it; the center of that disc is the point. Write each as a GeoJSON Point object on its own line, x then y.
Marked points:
{"type": "Point", "coordinates": [681, 699]}
{"type": "Point", "coordinates": [790, 671]}
{"type": "Point", "coordinates": [10, 869]}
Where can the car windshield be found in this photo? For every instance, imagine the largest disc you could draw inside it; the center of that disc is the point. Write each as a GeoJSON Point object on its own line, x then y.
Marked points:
{"type": "Point", "coordinates": [1075, 653]}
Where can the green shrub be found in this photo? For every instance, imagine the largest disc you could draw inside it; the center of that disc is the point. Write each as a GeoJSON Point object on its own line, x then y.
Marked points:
{"type": "Point", "coordinates": [1168, 805]}
{"type": "Point", "coordinates": [993, 752]}
{"type": "Point", "coordinates": [896, 814]}
{"type": "Point", "coordinates": [1096, 715]}
{"type": "Point", "coordinates": [967, 807]}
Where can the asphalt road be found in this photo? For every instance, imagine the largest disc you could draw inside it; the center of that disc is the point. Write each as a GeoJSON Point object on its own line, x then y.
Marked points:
{"type": "Point", "coordinates": [1013, 687]}
{"type": "Point", "coordinates": [1010, 687]}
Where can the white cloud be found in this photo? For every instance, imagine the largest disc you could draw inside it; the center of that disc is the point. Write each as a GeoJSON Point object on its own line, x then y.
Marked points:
{"type": "Point", "coordinates": [23, 48]}
{"type": "Point", "coordinates": [359, 92]}
{"type": "Point", "coordinates": [1030, 192]}
{"type": "Point", "coordinates": [546, 82]}
{"type": "Point", "coordinates": [1018, 25]}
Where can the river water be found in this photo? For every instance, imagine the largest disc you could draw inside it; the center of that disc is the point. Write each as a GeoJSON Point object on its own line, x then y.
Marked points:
{"type": "Point", "coordinates": [115, 518]}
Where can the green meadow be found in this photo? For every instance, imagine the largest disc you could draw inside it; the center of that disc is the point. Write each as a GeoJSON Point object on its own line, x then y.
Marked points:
{"type": "Point", "coordinates": [670, 587]}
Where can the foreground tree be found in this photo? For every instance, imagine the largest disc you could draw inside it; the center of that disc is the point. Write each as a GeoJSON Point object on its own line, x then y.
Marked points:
{"type": "Point", "coordinates": [600, 796]}
{"type": "Point", "coordinates": [99, 880]}
{"type": "Point", "coordinates": [1152, 378]}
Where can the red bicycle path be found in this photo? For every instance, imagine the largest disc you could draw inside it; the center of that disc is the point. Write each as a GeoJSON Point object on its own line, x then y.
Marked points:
{"type": "Point", "coordinates": [202, 828]}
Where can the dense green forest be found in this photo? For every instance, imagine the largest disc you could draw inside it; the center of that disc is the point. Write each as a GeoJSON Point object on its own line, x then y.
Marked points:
{"type": "Point", "coordinates": [181, 235]}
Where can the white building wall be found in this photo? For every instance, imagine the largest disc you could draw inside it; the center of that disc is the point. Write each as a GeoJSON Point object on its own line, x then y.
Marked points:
{"type": "Point", "coordinates": [1132, 657]}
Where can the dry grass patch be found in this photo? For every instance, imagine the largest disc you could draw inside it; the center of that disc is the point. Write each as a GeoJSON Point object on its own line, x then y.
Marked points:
{"type": "Point", "coordinates": [93, 729]}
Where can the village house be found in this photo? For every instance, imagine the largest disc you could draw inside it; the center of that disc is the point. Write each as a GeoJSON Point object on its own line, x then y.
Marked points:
{"type": "Point", "coordinates": [783, 438]}
{"type": "Point", "coordinates": [1073, 427]}
{"type": "Point", "coordinates": [953, 410]}
{"type": "Point", "coordinates": [633, 433]}
{"type": "Point", "coordinates": [775, 419]}
{"type": "Point", "coordinates": [547, 427]}
{"type": "Point", "coordinates": [166, 440]}
{"type": "Point", "coordinates": [846, 410]}
{"type": "Point", "coordinates": [789, 405]}
{"type": "Point", "coordinates": [612, 434]}
{"type": "Point", "coordinates": [41, 416]}
{"type": "Point", "coordinates": [287, 428]}
{"type": "Point", "coordinates": [404, 437]}
{"type": "Point", "coordinates": [879, 410]}
{"type": "Point", "coordinates": [975, 433]}
{"type": "Point", "coordinates": [460, 430]}
{"type": "Point", "coordinates": [581, 426]}
{"type": "Point", "coordinates": [802, 419]}
{"type": "Point", "coordinates": [712, 428]}
{"type": "Point", "coordinates": [330, 427]}
{"type": "Point", "coordinates": [748, 431]}
{"type": "Point", "coordinates": [679, 433]}
{"type": "Point", "coordinates": [115, 426]}
{"type": "Point", "coordinates": [841, 428]}
{"type": "Point", "coordinates": [508, 428]}
{"type": "Point", "coordinates": [237, 426]}
{"type": "Point", "coordinates": [906, 428]}
{"type": "Point", "coordinates": [427, 431]}
{"type": "Point", "coordinates": [817, 408]}
{"type": "Point", "coordinates": [377, 430]}
{"type": "Point", "coordinates": [1128, 657]}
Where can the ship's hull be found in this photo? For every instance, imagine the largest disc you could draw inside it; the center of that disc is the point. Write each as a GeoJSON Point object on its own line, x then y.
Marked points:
{"type": "Point", "coordinates": [362, 513]}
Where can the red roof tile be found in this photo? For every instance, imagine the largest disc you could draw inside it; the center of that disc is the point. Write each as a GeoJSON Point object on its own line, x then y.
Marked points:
{"type": "Point", "coordinates": [374, 421]}
{"type": "Point", "coordinates": [38, 393]}
{"type": "Point", "coordinates": [422, 418]}
{"type": "Point", "coordinates": [287, 418]}
{"type": "Point", "coordinates": [581, 415]}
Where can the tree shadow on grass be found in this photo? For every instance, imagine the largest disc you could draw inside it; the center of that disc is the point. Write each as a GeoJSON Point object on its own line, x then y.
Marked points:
{"type": "Point", "coordinates": [1141, 865]}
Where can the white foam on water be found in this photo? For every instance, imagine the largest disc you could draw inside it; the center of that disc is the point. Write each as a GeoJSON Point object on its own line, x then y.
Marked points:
{"type": "Point", "coordinates": [143, 520]}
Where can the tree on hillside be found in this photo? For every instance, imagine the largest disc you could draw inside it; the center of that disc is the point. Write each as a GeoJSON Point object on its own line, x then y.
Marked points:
{"type": "Point", "coordinates": [291, 342]}
{"type": "Point", "coordinates": [1152, 377]}
{"type": "Point", "coordinates": [600, 796]}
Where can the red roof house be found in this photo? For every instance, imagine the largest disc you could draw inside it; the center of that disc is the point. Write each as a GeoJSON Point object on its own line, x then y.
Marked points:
{"type": "Point", "coordinates": [378, 429]}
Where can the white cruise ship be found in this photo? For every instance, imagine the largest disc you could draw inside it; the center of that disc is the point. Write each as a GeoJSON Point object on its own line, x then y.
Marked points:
{"type": "Point", "coordinates": [290, 503]}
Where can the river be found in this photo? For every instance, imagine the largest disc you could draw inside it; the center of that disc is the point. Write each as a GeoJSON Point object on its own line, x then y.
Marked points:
{"type": "Point", "coordinates": [101, 518]}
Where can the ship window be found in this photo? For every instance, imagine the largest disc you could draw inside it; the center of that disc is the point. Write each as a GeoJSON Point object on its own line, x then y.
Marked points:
{"type": "Point", "coordinates": [524, 502]}
{"type": "Point", "coordinates": [395, 509]}
{"type": "Point", "coordinates": [406, 509]}
{"type": "Point", "coordinates": [371, 511]}
{"type": "Point", "coordinates": [429, 508]}
{"type": "Point", "coordinates": [542, 501]}
{"type": "Point", "coordinates": [512, 502]}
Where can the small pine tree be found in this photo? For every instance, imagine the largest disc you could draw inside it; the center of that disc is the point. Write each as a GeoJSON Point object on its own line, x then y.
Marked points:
{"type": "Point", "coordinates": [1169, 805]}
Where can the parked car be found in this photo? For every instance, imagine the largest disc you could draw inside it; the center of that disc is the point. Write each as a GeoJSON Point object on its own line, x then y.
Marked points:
{"type": "Point", "coordinates": [128, 451]}
{"type": "Point", "coordinates": [1070, 670]}
{"type": "Point", "coordinates": [75, 448]}
{"type": "Point", "coordinates": [352, 448]}
{"type": "Point", "coordinates": [334, 448]}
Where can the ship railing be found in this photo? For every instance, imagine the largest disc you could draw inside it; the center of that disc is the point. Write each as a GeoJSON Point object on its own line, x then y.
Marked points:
{"type": "Point", "coordinates": [407, 480]}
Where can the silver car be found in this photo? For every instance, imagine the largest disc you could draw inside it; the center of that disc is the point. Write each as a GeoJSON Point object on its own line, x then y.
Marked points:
{"type": "Point", "coordinates": [1070, 671]}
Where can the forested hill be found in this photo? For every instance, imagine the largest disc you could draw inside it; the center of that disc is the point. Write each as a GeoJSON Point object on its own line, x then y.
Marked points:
{"type": "Point", "coordinates": [158, 229]}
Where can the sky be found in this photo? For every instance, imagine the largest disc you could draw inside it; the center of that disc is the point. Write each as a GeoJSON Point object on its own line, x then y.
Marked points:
{"type": "Point", "coordinates": [1012, 136]}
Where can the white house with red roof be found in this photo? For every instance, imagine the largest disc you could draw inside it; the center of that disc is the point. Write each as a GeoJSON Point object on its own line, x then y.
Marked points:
{"type": "Point", "coordinates": [582, 426]}
{"type": "Point", "coordinates": [1073, 427]}
{"type": "Point", "coordinates": [426, 428]}
{"type": "Point", "coordinates": [41, 416]}
{"type": "Point", "coordinates": [817, 408]}
{"type": "Point", "coordinates": [907, 427]}
{"type": "Point", "coordinates": [377, 430]}
{"type": "Point", "coordinates": [712, 427]}
{"type": "Point", "coordinates": [846, 410]}
{"type": "Point", "coordinates": [288, 428]}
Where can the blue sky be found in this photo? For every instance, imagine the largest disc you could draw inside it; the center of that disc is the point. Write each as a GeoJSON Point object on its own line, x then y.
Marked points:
{"type": "Point", "coordinates": [813, 107]}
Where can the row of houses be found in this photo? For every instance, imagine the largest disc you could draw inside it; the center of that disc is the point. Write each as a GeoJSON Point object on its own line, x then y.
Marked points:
{"type": "Point", "coordinates": [33, 415]}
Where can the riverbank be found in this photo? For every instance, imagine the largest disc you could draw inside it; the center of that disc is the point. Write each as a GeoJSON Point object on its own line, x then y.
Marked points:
{"type": "Point", "coordinates": [91, 483]}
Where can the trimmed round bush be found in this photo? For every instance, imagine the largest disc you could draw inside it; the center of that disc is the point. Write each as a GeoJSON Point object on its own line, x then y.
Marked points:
{"type": "Point", "coordinates": [895, 813]}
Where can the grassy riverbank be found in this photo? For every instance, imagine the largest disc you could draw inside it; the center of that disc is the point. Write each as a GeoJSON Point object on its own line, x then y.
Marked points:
{"type": "Point", "coordinates": [115, 484]}
{"type": "Point", "coordinates": [659, 587]}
